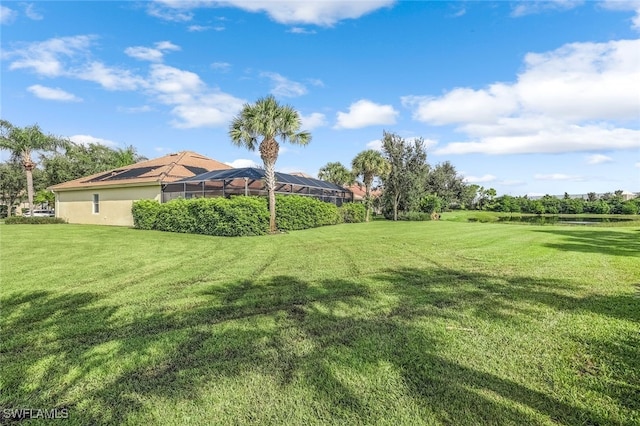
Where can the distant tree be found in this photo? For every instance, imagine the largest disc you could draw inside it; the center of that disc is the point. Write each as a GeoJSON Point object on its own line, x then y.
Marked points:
{"type": "Point", "coordinates": [404, 183]}
{"type": "Point", "coordinates": [268, 120]}
{"type": "Point", "coordinates": [44, 196]}
{"type": "Point", "coordinates": [12, 184]}
{"type": "Point", "coordinates": [336, 173]}
{"type": "Point", "coordinates": [21, 142]}
{"type": "Point", "coordinates": [469, 196]}
{"type": "Point", "coordinates": [79, 160]}
{"type": "Point", "coordinates": [444, 181]}
{"type": "Point", "coordinates": [369, 164]}
{"type": "Point", "coordinates": [431, 203]}
{"type": "Point", "coordinates": [591, 196]}
{"type": "Point", "coordinates": [551, 204]}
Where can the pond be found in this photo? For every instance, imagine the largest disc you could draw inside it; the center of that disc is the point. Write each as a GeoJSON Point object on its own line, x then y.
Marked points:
{"type": "Point", "coordinates": [551, 220]}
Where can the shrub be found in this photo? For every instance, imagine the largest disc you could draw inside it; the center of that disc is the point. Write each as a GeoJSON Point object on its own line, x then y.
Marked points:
{"type": "Point", "coordinates": [353, 212]}
{"type": "Point", "coordinates": [241, 216]}
{"type": "Point", "coordinates": [238, 216]}
{"type": "Point", "coordinates": [299, 212]}
{"type": "Point", "coordinates": [431, 203]}
{"type": "Point", "coordinates": [145, 213]}
{"type": "Point", "coordinates": [629, 207]}
{"type": "Point", "coordinates": [414, 216]}
{"type": "Point", "coordinates": [26, 220]}
{"type": "Point", "coordinates": [174, 216]}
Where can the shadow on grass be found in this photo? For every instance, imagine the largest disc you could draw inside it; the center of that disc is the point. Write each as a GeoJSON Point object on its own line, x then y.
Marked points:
{"type": "Point", "coordinates": [596, 241]}
{"type": "Point", "coordinates": [70, 351]}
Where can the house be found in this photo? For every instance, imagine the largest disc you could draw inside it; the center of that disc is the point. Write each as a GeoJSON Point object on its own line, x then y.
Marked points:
{"type": "Point", "coordinates": [359, 192]}
{"type": "Point", "coordinates": [106, 198]}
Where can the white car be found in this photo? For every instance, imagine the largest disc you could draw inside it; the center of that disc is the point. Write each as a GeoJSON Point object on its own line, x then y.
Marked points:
{"type": "Point", "coordinates": [43, 213]}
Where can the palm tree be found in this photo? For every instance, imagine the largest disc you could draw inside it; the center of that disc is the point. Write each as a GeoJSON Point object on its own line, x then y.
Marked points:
{"type": "Point", "coordinates": [127, 156]}
{"type": "Point", "coordinates": [336, 173]}
{"type": "Point", "coordinates": [369, 164]}
{"type": "Point", "coordinates": [267, 119]}
{"type": "Point", "coordinates": [21, 142]}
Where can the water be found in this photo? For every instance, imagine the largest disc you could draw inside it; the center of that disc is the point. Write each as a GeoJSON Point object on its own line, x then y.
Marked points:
{"type": "Point", "coordinates": [559, 220]}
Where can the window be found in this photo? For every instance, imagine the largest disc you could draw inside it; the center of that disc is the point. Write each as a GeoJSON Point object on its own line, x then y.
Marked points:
{"type": "Point", "coordinates": [96, 203]}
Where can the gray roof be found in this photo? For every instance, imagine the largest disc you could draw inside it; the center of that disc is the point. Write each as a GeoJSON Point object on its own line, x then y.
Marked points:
{"type": "Point", "coordinates": [258, 174]}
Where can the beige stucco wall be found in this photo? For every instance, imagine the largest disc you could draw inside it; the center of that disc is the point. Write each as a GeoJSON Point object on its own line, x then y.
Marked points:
{"type": "Point", "coordinates": [115, 204]}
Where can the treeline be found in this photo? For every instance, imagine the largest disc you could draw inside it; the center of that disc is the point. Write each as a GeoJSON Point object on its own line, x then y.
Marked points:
{"type": "Point", "coordinates": [402, 185]}
{"type": "Point", "coordinates": [610, 203]}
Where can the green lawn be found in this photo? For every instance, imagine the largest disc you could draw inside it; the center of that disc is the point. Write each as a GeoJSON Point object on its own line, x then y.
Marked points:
{"type": "Point", "coordinates": [388, 323]}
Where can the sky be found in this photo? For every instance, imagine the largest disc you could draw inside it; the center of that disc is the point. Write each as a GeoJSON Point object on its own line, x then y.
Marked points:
{"type": "Point", "coordinates": [527, 97]}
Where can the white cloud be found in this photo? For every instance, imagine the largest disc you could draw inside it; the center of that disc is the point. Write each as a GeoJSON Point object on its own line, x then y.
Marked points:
{"type": "Point", "coordinates": [31, 13]}
{"type": "Point", "coordinates": [221, 66]}
{"type": "Point", "coordinates": [88, 139]}
{"type": "Point", "coordinates": [135, 110]}
{"type": "Point", "coordinates": [315, 82]}
{"type": "Point", "coordinates": [575, 98]}
{"type": "Point", "coordinates": [241, 163]}
{"type": "Point", "coordinates": [7, 15]}
{"type": "Point", "coordinates": [282, 86]}
{"type": "Point", "coordinates": [198, 28]}
{"type": "Point", "coordinates": [52, 94]}
{"type": "Point", "coordinates": [558, 176]}
{"type": "Point", "coordinates": [459, 13]}
{"type": "Point", "coordinates": [638, 164]}
{"type": "Point", "coordinates": [323, 13]}
{"type": "Point", "coordinates": [375, 145]}
{"type": "Point", "coordinates": [508, 137]}
{"type": "Point", "coordinates": [300, 30]}
{"type": "Point", "coordinates": [538, 6]}
{"type": "Point", "coordinates": [313, 121]}
{"type": "Point", "coordinates": [464, 105]}
{"type": "Point", "coordinates": [625, 5]}
{"type": "Point", "coordinates": [172, 14]}
{"type": "Point", "coordinates": [110, 78]}
{"type": "Point", "coordinates": [426, 143]}
{"type": "Point", "coordinates": [46, 58]}
{"type": "Point", "coordinates": [365, 113]}
{"type": "Point", "coordinates": [192, 102]}
{"type": "Point", "coordinates": [151, 54]}
{"type": "Point", "coordinates": [598, 159]}
{"type": "Point", "coordinates": [480, 179]}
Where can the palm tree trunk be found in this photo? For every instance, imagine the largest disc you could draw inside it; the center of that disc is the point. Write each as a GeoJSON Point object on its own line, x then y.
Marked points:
{"type": "Point", "coordinates": [367, 199]}
{"type": "Point", "coordinates": [269, 153]}
{"type": "Point", "coordinates": [270, 175]}
{"type": "Point", "coordinates": [28, 168]}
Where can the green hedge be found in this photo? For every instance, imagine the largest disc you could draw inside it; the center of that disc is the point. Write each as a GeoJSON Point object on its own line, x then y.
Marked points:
{"type": "Point", "coordinates": [353, 212]}
{"type": "Point", "coordinates": [145, 213]}
{"type": "Point", "coordinates": [238, 216]}
{"type": "Point", "coordinates": [295, 212]}
{"type": "Point", "coordinates": [26, 220]}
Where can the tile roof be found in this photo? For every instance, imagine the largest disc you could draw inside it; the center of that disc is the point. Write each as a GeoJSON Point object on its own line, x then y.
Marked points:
{"type": "Point", "coordinates": [169, 168]}
{"type": "Point", "coordinates": [359, 191]}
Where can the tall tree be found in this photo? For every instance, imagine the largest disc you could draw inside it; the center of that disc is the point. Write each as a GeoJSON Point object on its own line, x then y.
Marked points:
{"type": "Point", "coordinates": [369, 164]}
{"type": "Point", "coordinates": [444, 181]}
{"type": "Point", "coordinates": [336, 173]}
{"type": "Point", "coordinates": [12, 184]}
{"type": "Point", "coordinates": [21, 142]}
{"type": "Point", "coordinates": [268, 120]}
{"type": "Point", "coordinates": [404, 184]}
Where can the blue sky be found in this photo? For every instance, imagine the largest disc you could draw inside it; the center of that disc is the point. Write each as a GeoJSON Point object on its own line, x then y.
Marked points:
{"type": "Point", "coordinates": [526, 97]}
